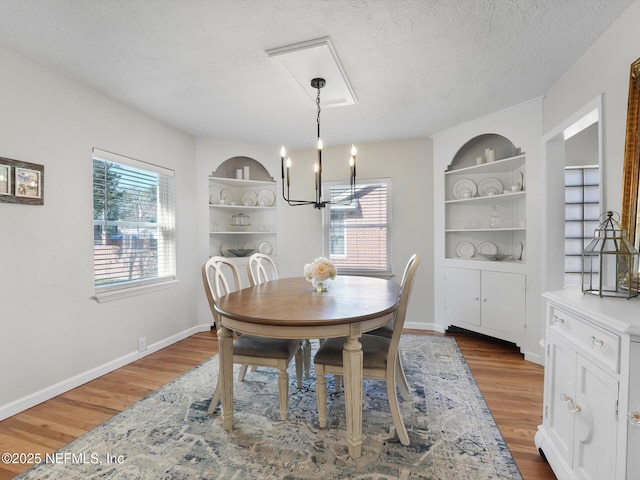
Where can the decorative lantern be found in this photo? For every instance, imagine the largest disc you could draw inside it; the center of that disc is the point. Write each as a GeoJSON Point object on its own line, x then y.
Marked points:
{"type": "Point", "coordinates": [609, 261]}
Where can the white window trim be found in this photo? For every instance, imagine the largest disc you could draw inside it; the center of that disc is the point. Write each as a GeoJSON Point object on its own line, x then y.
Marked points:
{"type": "Point", "coordinates": [125, 292]}
{"type": "Point", "coordinates": [119, 291]}
{"type": "Point", "coordinates": [325, 231]}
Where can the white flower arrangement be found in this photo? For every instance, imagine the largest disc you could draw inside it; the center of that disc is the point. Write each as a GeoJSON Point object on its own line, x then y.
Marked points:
{"type": "Point", "coordinates": [319, 271]}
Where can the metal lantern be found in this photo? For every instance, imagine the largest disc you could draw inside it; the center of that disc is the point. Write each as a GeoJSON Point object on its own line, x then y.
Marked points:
{"type": "Point", "coordinates": [609, 260]}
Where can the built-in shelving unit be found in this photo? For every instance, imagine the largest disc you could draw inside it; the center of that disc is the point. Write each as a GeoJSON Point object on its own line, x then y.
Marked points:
{"type": "Point", "coordinates": [483, 294]}
{"type": "Point", "coordinates": [469, 219]}
{"type": "Point", "coordinates": [253, 200]}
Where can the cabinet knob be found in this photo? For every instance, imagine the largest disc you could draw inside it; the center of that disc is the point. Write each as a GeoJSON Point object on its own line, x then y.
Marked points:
{"type": "Point", "coordinates": [557, 320]}
{"type": "Point", "coordinates": [594, 342]}
{"type": "Point", "coordinates": [477, 298]}
{"type": "Point", "coordinates": [634, 418]}
{"type": "Point", "coordinates": [484, 299]}
{"type": "Point", "coordinates": [566, 399]}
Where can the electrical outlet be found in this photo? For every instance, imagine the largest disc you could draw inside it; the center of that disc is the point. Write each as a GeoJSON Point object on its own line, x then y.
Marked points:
{"type": "Point", "coordinates": [142, 344]}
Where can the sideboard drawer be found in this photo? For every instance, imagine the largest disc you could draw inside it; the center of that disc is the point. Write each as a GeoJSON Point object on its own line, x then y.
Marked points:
{"type": "Point", "coordinates": [597, 342]}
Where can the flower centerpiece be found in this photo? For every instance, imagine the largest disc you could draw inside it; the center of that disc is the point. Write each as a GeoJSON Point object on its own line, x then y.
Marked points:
{"type": "Point", "coordinates": [318, 272]}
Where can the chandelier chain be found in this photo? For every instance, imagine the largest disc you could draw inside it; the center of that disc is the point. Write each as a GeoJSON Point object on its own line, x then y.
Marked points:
{"type": "Point", "coordinates": [318, 105]}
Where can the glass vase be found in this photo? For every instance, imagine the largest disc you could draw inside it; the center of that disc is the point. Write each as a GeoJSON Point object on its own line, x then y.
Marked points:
{"type": "Point", "coordinates": [319, 285]}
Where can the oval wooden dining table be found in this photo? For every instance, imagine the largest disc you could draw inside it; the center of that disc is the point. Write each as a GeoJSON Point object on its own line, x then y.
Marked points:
{"type": "Point", "coordinates": [291, 308]}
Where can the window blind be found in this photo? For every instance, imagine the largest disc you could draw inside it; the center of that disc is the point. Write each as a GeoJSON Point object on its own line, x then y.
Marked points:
{"type": "Point", "coordinates": [356, 236]}
{"type": "Point", "coordinates": [133, 222]}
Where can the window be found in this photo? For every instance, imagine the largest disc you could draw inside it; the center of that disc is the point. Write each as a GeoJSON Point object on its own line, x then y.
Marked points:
{"type": "Point", "coordinates": [356, 236]}
{"type": "Point", "coordinates": [133, 224]}
{"type": "Point", "coordinates": [582, 210]}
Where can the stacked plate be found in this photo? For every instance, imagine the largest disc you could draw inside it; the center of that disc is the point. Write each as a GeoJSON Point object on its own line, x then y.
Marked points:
{"type": "Point", "coordinates": [490, 186]}
{"type": "Point", "coordinates": [465, 250]}
{"type": "Point", "coordinates": [266, 198]}
{"type": "Point", "coordinates": [464, 188]}
{"type": "Point", "coordinates": [249, 198]}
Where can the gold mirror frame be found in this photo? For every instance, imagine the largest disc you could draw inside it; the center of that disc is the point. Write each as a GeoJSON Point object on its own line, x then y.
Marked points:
{"type": "Point", "coordinates": [630, 209]}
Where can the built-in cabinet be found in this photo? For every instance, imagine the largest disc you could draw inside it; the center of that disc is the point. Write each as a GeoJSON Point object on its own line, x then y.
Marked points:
{"type": "Point", "coordinates": [487, 300]}
{"type": "Point", "coordinates": [242, 212]}
{"type": "Point", "coordinates": [485, 235]}
{"type": "Point", "coordinates": [591, 413]}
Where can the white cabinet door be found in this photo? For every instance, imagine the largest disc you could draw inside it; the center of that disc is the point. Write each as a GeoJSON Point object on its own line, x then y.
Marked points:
{"type": "Point", "coordinates": [633, 435]}
{"type": "Point", "coordinates": [559, 415]}
{"type": "Point", "coordinates": [462, 298]}
{"type": "Point", "coordinates": [596, 422]}
{"type": "Point", "coordinates": [503, 302]}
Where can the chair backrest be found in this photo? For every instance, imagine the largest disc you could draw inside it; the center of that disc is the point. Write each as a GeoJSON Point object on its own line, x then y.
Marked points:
{"type": "Point", "coordinates": [215, 281]}
{"type": "Point", "coordinates": [406, 285]}
{"type": "Point", "coordinates": [261, 268]}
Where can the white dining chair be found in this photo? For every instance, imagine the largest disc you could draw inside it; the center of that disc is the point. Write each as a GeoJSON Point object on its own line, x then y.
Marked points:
{"type": "Point", "coordinates": [248, 349]}
{"type": "Point", "coordinates": [262, 268]}
{"type": "Point", "coordinates": [380, 357]}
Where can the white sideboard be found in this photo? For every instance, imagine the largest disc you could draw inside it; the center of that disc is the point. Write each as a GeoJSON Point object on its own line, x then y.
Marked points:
{"type": "Point", "coordinates": [591, 416]}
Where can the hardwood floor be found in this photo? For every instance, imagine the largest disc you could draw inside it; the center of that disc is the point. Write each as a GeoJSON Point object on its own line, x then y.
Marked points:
{"type": "Point", "coordinates": [511, 387]}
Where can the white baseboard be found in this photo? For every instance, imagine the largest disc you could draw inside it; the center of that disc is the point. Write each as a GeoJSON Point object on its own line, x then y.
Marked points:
{"type": "Point", "coordinates": [424, 326]}
{"type": "Point", "coordinates": [47, 393]}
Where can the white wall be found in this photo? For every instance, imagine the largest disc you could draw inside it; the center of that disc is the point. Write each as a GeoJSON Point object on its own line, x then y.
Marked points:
{"type": "Point", "coordinates": [407, 162]}
{"type": "Point", "coordinates": [53, 335]}
{"type": "Point", "coordinates": [603, 69]}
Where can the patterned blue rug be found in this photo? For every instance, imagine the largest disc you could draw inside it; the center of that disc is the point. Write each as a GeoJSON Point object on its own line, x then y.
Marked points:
{"type": "Point", "coordinates": [168, 435]}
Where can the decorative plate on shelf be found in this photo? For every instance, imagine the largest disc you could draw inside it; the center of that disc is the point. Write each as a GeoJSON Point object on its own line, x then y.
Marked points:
{"type": "Point", "coordinates": [464, 188]}
{"type": "Point", "coordinates": [265, 248]}
{"type": "Point", "coordinates": [266, 198]}
{"type": "Point", "coordinates": [487, 248]}
{"type": "Point", "coordinates": [465, 250]}
{"type": "Point", "coordinates": [490, 186]}
{"type": "Point", "coordinates": [249, 246]}
{"type": "Point", "coordinates": [214, 196]}
{"type": "Point", "coordinates": [227, 196]}
{"type": "Point", "coordinates": [249, 198]}
{"type": "Point", "coordinates": [224, 250]}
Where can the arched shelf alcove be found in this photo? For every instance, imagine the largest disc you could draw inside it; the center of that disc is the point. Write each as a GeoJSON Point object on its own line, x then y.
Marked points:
{"type": "Point", "coordinates": [227, 169]}
{"type": "Point", "coordinates": [474, 148]}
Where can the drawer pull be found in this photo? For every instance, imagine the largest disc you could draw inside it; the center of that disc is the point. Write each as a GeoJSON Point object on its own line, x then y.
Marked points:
{"type": "Point", "coordinates": [557, 320]}
{"type": "Point", "coordinates": [634, 418]}
{"type": "Point", "coordinates": [594, 342]}
{"type": "Point", "coordinates": [570, 403]}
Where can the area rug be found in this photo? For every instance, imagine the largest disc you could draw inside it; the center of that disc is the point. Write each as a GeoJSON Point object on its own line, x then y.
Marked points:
{"type": "Point", "coordinates": [168, 435]}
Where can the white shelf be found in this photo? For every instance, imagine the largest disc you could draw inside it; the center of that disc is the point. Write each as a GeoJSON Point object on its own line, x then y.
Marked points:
{"type": "Point", "coordinates": [248, 207]}
{"type": "Point", "coordinates": [511, 163]}
{"type": "Point", "coordinates": [246, 232]}
{"type": "Point", "coordinates": [489, 198]}
{"type": "Point", "coordinates": [501, 229]}
{"type": "Point", "coordinates": [235, 182]}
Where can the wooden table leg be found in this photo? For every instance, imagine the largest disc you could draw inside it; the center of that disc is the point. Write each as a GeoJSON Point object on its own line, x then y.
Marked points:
{"type": "Point", "coordinates": [352, 360]}
{"type": "Point", "coordinates": [225, 339]}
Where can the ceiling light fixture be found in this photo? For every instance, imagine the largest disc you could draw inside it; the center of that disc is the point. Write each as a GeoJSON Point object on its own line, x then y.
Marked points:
{"type": "Point", "coordinates": [318, 202]}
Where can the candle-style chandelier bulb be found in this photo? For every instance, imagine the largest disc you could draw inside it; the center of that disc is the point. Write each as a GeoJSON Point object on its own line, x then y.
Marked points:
{"type": "Point", "coordinates": [317, 83]}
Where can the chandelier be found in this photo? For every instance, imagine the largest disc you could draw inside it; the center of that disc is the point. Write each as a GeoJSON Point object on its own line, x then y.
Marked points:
{"type": "Point", "coordinates": [318, 202]}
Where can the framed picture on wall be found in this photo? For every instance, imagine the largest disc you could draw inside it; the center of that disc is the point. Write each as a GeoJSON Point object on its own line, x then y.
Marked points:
{"type": "Point", "coordinates": [5, 179]}
{"type": "Point", "coordinates": [28, 183]}
{"type": "Point", "coordinates": [21, 182]}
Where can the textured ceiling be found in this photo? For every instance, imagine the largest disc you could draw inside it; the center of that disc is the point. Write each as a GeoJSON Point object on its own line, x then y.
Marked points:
{"type": "Point", "coordinates": [416, 66]}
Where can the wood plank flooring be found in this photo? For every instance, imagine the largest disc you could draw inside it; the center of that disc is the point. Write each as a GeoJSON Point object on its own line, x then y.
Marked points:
{"type": "Point", "coordinates": [511, 387]}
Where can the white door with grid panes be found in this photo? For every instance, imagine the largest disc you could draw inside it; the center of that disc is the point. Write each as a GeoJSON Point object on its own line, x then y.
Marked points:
{"type": "Point", "coordinates": [582, 209]}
